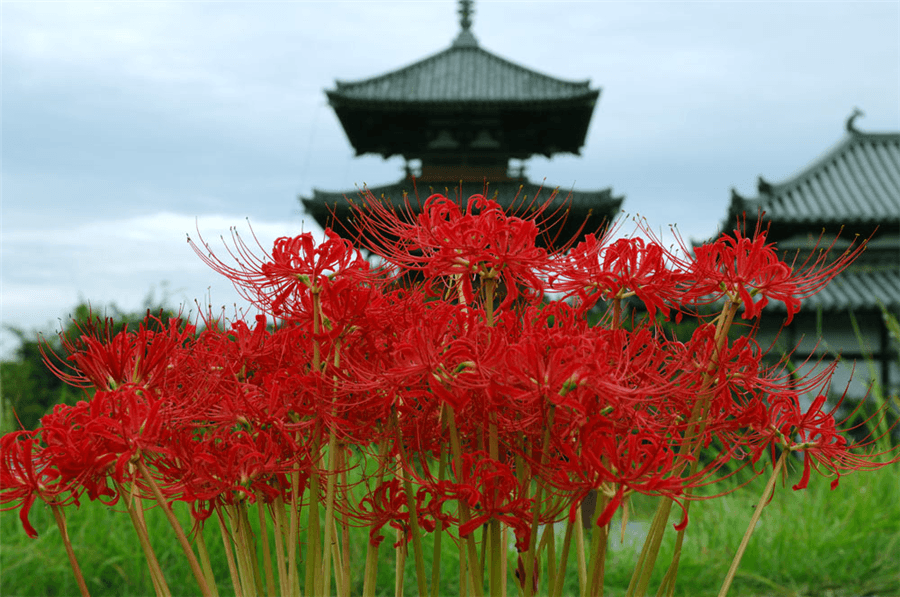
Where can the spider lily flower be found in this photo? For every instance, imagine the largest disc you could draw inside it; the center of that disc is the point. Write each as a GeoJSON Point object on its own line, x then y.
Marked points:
{"type": "Point", "coordinates": [24, 476]}
{"type": "Point", "coordinates": [597, 269]}
{"type": "Point", "coordinates": [750, 272]}
{"type": "Point", "coordinates": [444, 240]}
{"type": "Point", "coordinates": [279, 282]}
{"type": "Point", "coordinates": [101, 359]}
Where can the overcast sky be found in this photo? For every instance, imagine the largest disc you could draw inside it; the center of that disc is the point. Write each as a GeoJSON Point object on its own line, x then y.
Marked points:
{"type": "Point", "coordinates": [127, 125]}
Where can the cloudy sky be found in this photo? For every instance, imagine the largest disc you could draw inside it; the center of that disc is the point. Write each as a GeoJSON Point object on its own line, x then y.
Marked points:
{"type": "Point", "coordinates": [127, 125]}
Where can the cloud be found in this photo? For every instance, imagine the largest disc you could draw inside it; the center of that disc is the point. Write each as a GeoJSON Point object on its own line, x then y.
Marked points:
{"type": "Point", "coordinates": [47, 271]}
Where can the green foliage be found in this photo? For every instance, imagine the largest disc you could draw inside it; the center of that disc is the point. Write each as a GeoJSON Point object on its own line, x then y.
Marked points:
{"type": "Point", "coordinates": [29, 389]}
{"type": "Point", "coordinates": [840, 543]}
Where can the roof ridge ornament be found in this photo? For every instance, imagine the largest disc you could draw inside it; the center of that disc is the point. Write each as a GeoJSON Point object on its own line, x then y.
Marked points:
{"type": "Point", "coordinates": [465, 37]}
{"type": "Point", "coordinates": [856, 114]}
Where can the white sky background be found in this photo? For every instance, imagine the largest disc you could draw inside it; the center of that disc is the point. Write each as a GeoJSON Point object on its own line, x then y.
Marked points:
{"type": "Point", "coordinates": [126, 125]}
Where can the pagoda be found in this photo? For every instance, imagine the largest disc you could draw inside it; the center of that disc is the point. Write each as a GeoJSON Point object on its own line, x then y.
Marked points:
{"type": "Point", "coordinates": [852, 192]}
{"type": "Point", "coordinates": [458, 118]}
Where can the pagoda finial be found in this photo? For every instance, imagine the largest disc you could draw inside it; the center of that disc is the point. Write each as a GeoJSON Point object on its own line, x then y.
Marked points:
{"type": "Point", "coordinates": [465, 37]}
{"type": "Point", "coordinates": [465, 14]}
{"type": "Point", "coordinates": [856, 114]}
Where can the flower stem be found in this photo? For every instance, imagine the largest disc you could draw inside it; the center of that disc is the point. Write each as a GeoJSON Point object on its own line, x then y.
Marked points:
{"type": "Point", "coordinates": [464, 513]}
{"type": "Point", "coordinates": [531, 557]}
{"type": "Point", "coordinates": [204, 561]}
{"type": "Point", "coordinates": [413, 516]}
{"type": "Point", "coordinates": [229, 555]}
{"type": "Point", "coordinates": [267, 553]}
{"type": "Point", "coordinates": [438, 532]}
{"type": "Point", "coordinates": [559, 578]}
{"type": "Point", "coordinates": [277, 509]}
{"type": "Point", "coordinates": [763, 500]}
{"type": "Point", "coordinates": [640, 578]}
{"type": "Point", "coordinates": [325, 588]}
{"type": "Point", "coordinates": [176, 526]}
{"type": "Point", "coordinates": [64, 533]}
{"type": "Point", "coordinates": [140, 527]}
{"type": "Point", "coordinates": [579, 552]}
{"type": "Point", "coordinates": [599, 542]}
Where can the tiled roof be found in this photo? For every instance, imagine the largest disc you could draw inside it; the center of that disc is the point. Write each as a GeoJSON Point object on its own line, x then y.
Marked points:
{"type": "Point", "coordinates": [466, 73]}
{"type": "Point", "coordinates": [861, 288]}
{"type": "Point", "coordinates": [585, 211]}
{"type": "Point", "coordinates": [857, 181]}
{"type": "Point", "coordinates": [502, 192]}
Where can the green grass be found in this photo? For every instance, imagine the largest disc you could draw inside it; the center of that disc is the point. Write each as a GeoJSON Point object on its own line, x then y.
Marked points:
{"type": "Point", "coordinates": [815, 542]}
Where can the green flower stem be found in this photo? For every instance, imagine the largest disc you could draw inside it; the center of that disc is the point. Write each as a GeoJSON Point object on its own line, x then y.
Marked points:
{"type": "Point", "coordinates": [313, 547]}
{"type": "Point", "coordinates": [176, 526]}
{"type": "Point", "coordinates": [548, 542]}
{"type": "Point", "coordinates": [372, 550]}
{"type": "Point", "coordinates": [497, 549]}
{"type": "Point", "coordinates": [763, 500]}
{"type": "Point", "coordinates": [465, 579]}
{"type": "Point", "coordinates": [229, 555]}
{"type": "Point", "coordinates": [464, 513]}
{"type": "Point", "coordinates": [334, 456]}
{"type": "Point", "coordinates": [325, 587]}
{"type": "Point", "coordinates": [413, 516]}
{"type": "Point", "coordinates": [293, 535]}
{"type": "Point", "coordinates": [64, 533]}
{"type": "Point", "coordinates": [313, 553]}
{"type": "Point", "coordinates": [140, 528]}
{"type": "Point", "coordinates": [371, 570]}
{"type": "Point", "coordinates": [241, 550]}
{"type": "Point", "coordinates": [267, 553]}
{"type": "Point", "coordinates": [277, 510]}
{"type": "Point", "coordinates": [337, 559]}
{"type": "Point", "coordinates": [399, 563]}
{"type": "Point", "coordinates": [640, 578]}
{"type": "Point", "coordinates": [249, 541]}
{"type": "Point", "coordinates": [345, 533]}
{"type": "Point", "coordinates": [531, 555]}
{"type": "Point", "coordinates": [599, 542]}
{"type": "Point", "coordinates": [579, 551]}
{"type": "Point", "coordinates": [205, 562]}
{"type": "Point", "coordinates": [557, 580]}
{"type": "Point", "coordinates": [438, 532]}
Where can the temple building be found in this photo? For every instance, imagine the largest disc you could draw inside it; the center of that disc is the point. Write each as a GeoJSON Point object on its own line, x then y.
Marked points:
{"type": "Point", "coordinates": [851, 192]}
{"type": "Point", "coordinates": [459, 118]}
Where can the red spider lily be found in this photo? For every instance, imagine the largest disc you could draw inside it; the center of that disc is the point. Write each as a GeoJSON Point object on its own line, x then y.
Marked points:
{"type": "Point", "coordinates": [105, 360]}
{"type": "Point", "coordinates": [278, 283]}
{"type": "Point", "coordinates": [498, 496]}
{"type": "Point", "coordinates": [25, 476]}
{"type": "Point", "coordinates": [387, 504]}
{"type": "Point", "coordinates": [228, 465]}
{"type": "Point", "coordinates": [749, 270]}
{"type": "Point", "coordinates": [115, 426]}
{"type": "Point", "coordinates": [444, 240]}
{"type": "Point", "coordinates": [597, 270]}
{"type": "Point", "coordinates": [634, 461]}
{"type": "Point", "coordinates": [816, 434]}
{"type": "Point", "coordinates": [79, 456]}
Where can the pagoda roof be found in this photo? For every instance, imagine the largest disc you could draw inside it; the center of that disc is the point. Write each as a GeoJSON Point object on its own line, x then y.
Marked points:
{"type": "Point", "coordinates": [466, 74]}
{"type": "Point", "coordinates": [859, 289]}
{"type": "Point", "coordinates": [856, 184]}
{"type": "Point", "coordinates": [593, 209]}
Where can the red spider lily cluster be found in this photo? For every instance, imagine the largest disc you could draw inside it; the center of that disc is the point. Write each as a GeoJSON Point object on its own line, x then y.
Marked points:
{"type": "Point", "coordinates": [440, 391]}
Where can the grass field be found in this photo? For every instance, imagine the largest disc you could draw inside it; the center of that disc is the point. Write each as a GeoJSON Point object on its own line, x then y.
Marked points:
{"type": "Point", "coordinates": [817, 542]}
